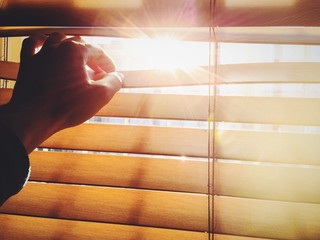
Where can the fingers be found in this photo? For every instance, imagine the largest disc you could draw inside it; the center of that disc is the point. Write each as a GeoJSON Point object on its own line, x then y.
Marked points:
{"type": "Point", "coordinates": [53, 39]}
{"type": "Point", "coordinates": [30, 46]}
{"type": "Point", "coordinates": [98, 60]}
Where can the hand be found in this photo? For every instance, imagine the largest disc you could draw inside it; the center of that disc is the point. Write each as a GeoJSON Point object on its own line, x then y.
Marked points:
{"type": "Point", "coordinates": [60, 86]}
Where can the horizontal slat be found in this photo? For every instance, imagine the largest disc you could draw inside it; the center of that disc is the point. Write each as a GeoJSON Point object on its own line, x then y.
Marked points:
{"type": "Point", "coordinates": [132, 139]}
{"type": "Point", "coordinates": [5, 95]}
{"type": "Point", "coordinates": [234, 216]}
{"type": "Point", "coordinates": [295, 72]}
{"type": "Point", "coordinates": [163, 13]}
{"type": "Point", "coordinates": [121, 171]}
{"type": "Point", "coordinates": [233, 237]}
{"type": "Point", "coordinates": [284, 35]}
{"type": "Point", "coordinates": [134, 79]}
{"type": "Point", "coordinates": [266, 13]}
{"type": "Point", "coordinates": [9, 70]}
{"type": "Point", "coordinates": [242, 145]}
{"type": "Point", "coordinates": [268, 181]}
{"type": "Point", "coordinates": [112, 13]}
{"type": "Point", "coordinates": [273, 35]}
{"type": "Point", "coordinates": [35, 228]}
{"type": "Point", "coordinates": [269, 219]}
{"type": "Point", "coordinates": [232, 178]}
{"type": "Point", "coordinates": [159, 78]}
{"type": "Point", "coordinates": [280, 147]}
{"type": "Point", "coordinates": [190, 34]}
{"type": "Point", "coordinates": [157, 106]}
{"type": "Point", "coordinates": [112, 205]}
{"type": "Point", "coordinates": [266, 110]}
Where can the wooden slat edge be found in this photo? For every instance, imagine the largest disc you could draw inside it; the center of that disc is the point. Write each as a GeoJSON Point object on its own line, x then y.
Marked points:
{"type": "Point", "coordinates": [111, 205]}
{"type": "Point", "coordinates": [120, 171]}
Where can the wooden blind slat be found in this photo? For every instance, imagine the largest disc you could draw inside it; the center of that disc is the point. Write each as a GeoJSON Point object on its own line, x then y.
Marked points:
{"type": "Point", "coordinates": [157, 106]}
{"type": "Point", "coordinates": [286, 72]}
{"type": "Point", "coordinates": [268, 181]}
{"type": "Point", "coordinates": [112, 205]}
{"type": "Point", "coordinates": [5, 95]}
{"type": "Point", "coordinates": [9, 70]}
{"type": "Point", "coordinates": [162, 14]}
{"type": "Point", "coordinates": [230, 144]}
{"type": "Point", "coordinates": [233, 178]}
{"type": "Point", "coordinates": [121, 171]}
{"type": "Point", "coordinates": [271, 35]}
{"type": "Point", "coordinates": [293, 72]}
{"type": "Point", "coordinates": [31, 228]}
{"type": "Point", "coordinates": [233, 237]}
{"type": "Point", "coordinates": [34, 228]}
{"type": "Point", "coordinates": [132, 139]}
{"type": "Point", "coordinates": [269, 110]}
{"type": "Point", "coordinates": [267, 219]}
{"type": "Point", "coordinates": [263, 146]}
{"type": "Point", "coordinates": [266, 110]}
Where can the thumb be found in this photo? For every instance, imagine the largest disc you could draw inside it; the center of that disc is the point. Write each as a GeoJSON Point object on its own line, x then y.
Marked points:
{"type": "Point", "coordinates": [112, 81]}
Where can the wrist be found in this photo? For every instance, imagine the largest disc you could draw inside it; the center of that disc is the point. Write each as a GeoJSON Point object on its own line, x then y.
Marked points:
{"type": "Point", "coordinates": [26, 124]}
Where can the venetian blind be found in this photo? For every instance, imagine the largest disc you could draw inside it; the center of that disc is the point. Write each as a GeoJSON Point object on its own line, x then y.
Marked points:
{"type": "Point", "coordinates": [235, 148]}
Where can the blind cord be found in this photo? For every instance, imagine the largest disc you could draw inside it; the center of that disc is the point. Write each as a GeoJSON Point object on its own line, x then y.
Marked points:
{"type": "Point", "coordinates": [213, 62]}
{"type": "Point", "coordinates": [4, 57]}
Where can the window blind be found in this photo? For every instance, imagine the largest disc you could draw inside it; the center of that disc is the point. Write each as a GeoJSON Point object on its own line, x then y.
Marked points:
{"type": "Point", "coordinates": [146, 181]}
